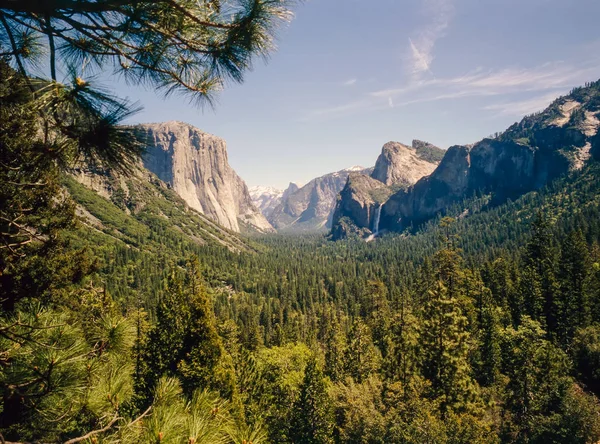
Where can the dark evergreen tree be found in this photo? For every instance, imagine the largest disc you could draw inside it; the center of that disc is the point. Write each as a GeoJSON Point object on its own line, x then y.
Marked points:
{"type": "Point", "coordinates": [574, 266]}
{"type": "Point", "coordinates": [362, 358]}
{"type": "Point", "coordinates": [312, 419]}
{"type": "Point", "coordinates": [184, 341]}
{"type": "Point", "coordinates": [539, 284]}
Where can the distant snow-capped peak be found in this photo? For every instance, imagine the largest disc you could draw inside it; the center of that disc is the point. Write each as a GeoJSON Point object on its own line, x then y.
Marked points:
{"type": "Point", "coordinates": [258, 191]}
{"type": "Point", "coordinates": [355, 168]}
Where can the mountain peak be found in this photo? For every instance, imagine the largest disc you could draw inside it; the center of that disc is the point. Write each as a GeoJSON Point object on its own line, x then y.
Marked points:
{"type": "Point", "coordinates": [401, 164]}
{"type": "Point", "coordinates": [354, 168]}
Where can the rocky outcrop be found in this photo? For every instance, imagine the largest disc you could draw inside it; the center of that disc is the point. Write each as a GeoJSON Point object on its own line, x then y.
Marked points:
{"type": "Point", "coordinates": [429, 195]}
{"type": "Point", "coordinates": [310, 208]}
{"type": "Point", "coordinates": [428, 151]}
{"type": "Point", "coordinates": [401, 165]}
{"type": "Point", "coordinates": [195, 165]}
{"type": "Point", "coordinates": [397, 167]}
{"type": "Point", "coordinates": [526, 157]}
{"type": "Point", "coordinates": [356, 208]}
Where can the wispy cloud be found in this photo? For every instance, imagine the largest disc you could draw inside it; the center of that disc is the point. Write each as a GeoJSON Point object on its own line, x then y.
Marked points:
{"type": "Point", "coordinates": [421, 58]}
{"type": "Point", "coordinates": [540, 84]}
{"type": "Point", "coordinates": [522, 107]}
{"type": "Point", "coordinates": [439, 14]}
{"type": "Point", "coordinates": [350, 82]}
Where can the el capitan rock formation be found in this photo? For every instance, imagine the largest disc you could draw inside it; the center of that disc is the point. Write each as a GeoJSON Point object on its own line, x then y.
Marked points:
{"type": "Point", "coordinates": [195, 165]}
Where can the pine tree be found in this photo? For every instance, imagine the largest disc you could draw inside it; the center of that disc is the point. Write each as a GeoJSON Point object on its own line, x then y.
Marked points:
{"type": "Point", "coordinates": [445, 345]}
{"type": "Point", "coordinates": [362, 357]}
{"type": "Point", "coordinates": [312, 420]}
{"type": "Point", "coordinates": [185, 342]}
{"type": "Point", "coordinates": [499, 279]}
{"type": "Point", "coordinates": [444, 335]}
{"type": "Point", "coordinates": [402, 362]}
{"type": "Point", "coordinates": [376, 312]}
{"type": "Point", "coordinates": [539, 284]}
{"type": "Point", "coordinates": [538, 379]}
{"type": "Point", "coordinates": [174, 45]}
{"type": "Point", "coordinates": [335, 348]}
{"type": "Point", "coordinates": [203, 361]}
{"type": "Point", "coordinates": [573, 273]}
{"type": "Point", "coordinates": [489, 346]}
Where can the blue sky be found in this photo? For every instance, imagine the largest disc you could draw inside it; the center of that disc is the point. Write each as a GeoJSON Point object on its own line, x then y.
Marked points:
{"type": "Point", "coordinates": [351, 75]}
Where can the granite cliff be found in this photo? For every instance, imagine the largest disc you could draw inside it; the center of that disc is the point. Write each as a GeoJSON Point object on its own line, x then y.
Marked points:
{"type": "Point", "coordinates": [399, 164]}
{"type": "Point", "coordinates": [195, 165]}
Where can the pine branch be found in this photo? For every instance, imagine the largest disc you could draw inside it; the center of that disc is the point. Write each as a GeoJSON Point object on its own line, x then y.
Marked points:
{"type": "Point", "coordinates": [94, 432]}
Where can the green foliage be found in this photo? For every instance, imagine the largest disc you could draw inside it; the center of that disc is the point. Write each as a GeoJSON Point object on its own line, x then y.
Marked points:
{"type": "Point", "coordinates": [359, 411]}
{"type": "Point", "coordinates": [184, 342]}
{"type": "Point", "coordinates": [362, 358]}
{"type": "Point", "coordinates": [312, 417]}
{"type": "Point", "coordinates": [172, 45]}
{"type": "Point", "coordinates": [586, 356]}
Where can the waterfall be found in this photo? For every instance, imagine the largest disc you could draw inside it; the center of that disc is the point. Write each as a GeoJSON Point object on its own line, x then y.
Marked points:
{"type": "Point", "coordinates": [375, 226]}
{"type": "Point", "coordinates": [376, 220]}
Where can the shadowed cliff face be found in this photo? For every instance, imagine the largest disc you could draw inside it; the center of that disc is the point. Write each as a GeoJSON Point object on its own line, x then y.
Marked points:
{"type": "Point", "coordinates": [195, 165]}
{"type": "Point", "coordinates": [447, 183]}
{"type": "Point", "coordinates": [526, 157]}
{"type": "Point", "coordinates": [358, 201]}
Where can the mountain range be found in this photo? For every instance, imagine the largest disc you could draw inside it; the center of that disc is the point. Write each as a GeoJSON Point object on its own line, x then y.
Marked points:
{"type": "Point", "coordinates": [304, 208]}
{"type": "Point", "coordinates": [409, 184]}
{"type": "Point", "coordinates": [526, 157]}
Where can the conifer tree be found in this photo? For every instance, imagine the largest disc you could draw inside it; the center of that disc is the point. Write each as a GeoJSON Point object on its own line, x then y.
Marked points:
{"type": "Point", "coordinates": [204, 363]}
{"type": "Point", "coordinates": [445, 347]}
{"type": "Point", "coordinates": [401, 364]}
{"type": "Point", "coordinates": [184, 341]}
{"type": "Point", "coordinates": [490, 353]}
{"type": "Point", "coordinates": [538, 379]}
{"type": "Point", "coordinates": [574, 267]}
{"type": "Point", "coordinates": [335, 348]}
{"type": "Point", "coordinates": [312, 420]}
{"type": "Point", "coordinates": [444, 334]}
{"type": "Point", "coordinates": [376, 312]}
{"type": "Point", "coordinates": [362, 358]}
{"type": "Point", "coordinates": [539, 284]}
{"type": "Point", "coordinates": [499, 279]}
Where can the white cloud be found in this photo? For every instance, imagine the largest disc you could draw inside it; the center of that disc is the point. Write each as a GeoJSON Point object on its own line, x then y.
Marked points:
{"type": "Point", "coordinates": [439, 14]}
{"type": "Point", "coordinates": [421, 58]}
{"type": "Point", "coordinates": [350, 82]}
{"type": "Point", "coordinates": [545, 82]}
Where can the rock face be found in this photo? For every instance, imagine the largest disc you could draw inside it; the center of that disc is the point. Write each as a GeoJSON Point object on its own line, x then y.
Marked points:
{"type": "Point", "coordinates": [401, 164]}
{"type": "Point", "coordinates": [310, 208]}
{"type": "Point", "coordinates": [526, 157]}
{"type": "Point", "coordinates": [397, 167]}
{"type": "Point", "coordinates": [195, 165]}
{"type": "Point", "coordinates": [357, 206]}
{"type": "Point", "coordinates": [446, 184]}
